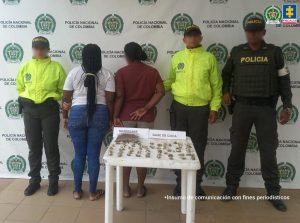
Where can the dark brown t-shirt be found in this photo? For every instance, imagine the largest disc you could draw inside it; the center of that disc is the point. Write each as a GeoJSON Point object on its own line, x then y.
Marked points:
{"type": "Point", "coordinates": [138, 82]}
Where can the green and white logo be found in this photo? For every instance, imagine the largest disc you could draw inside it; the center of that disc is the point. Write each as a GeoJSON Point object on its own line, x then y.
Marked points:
{"type": "Point", "coordinates": [252, 146]}
{"type": "Point", "coordinates": [151, 172]}
{"type": "Point", "coordinates": [16, 164]}
{"type": "Point", "coordinates": [79, 2]}
{"type": "Point", "coordinates": [273, 15]}
{"type": "Point", "coordinates": [214, 170]}
{"type": "Point", "coordinates": [151, 52]}
{"type": "Point", "coordinates": [28, 77]}
{"type": "Point", "coordinates": [180, 22]}
{"type": "Point", "coordinates": [108, 138]}
{"type": "Point", "coordinates": [287, 172]}
{"type": "Point", "coordinates": [293, 116]}
{"type": "Point", "coordinates": [220, 51]}
{"type": "Point", "coordinates": [147, 2]}
{"type": "Point", "coordinates": [13, 53]}
{"type": "Point", "coordinates": [45, 24]}
{"type": "Point", "coordinates": [12, 109]}
{"type": "Point", "coordinates": [250, 16]}
{"type": "Point", "coordinates": [11, 2]}
{"type": "Point", "coordinates": [75, 53]}
{"type": "Point", "coordinates": [180, 66]}
{"type": "Point", "coordinates": [113, 24]}
{"type": "Point", "coordinates": [221, 114]}
{"type": "Point", "coordinates": [291, 53]}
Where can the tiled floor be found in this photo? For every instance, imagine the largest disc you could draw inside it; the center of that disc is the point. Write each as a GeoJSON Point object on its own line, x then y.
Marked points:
{"type": "Point", "coordinates": [15, 207]}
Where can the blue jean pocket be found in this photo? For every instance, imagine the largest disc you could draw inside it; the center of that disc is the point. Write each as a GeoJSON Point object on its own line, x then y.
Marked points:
{"type": "Point", "coordinates": [100, 117]}
{"type": "Point", "coordinates": [77, 117]}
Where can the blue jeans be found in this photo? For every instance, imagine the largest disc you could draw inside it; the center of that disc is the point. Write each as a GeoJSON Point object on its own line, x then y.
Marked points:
{"type": "Point", "coordinates": [87, 141]}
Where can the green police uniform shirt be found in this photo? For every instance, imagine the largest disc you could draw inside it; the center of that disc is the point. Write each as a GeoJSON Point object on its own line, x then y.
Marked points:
{"type": "Point", "coordinates": [195, 79]}
{"type": "Point", "coordinates": [39, 79]}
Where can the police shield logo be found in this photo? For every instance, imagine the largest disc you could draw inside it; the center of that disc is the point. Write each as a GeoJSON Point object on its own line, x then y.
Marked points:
{"type": "Point", "coordinates": [79, 2]}
{"type": "Point", "coordinates": [273, 15]}
{"type": "Point", "coordinates": [113, 24]}
{"type": "Point", "coordinates": [180, 66]}
{"type": "Point", "coordinates": [11, 2]}
{"type": "Point", "coordinates": [214, 170]}
{"type": "Point", "coordinates": [293, 116]}
{"type": "Point", "coordinates": [252, 146]}
{"type": "Point", "coordinates": [45, 24]}
{"type": "Point", "coordinates": [250, 16]}
{"type": "Point", "coordinates": [12, 109]}
{"type": "Point", "coordinates": [287, 172]}
{"type": "Point", "coordinates": [151, 52]}
{"type": "Point", "coordinates": [13, 53]}
{"type": "Point", "coordinates": [291, 53]}
{"type": "Point", "coordinates": [28, 77]}
{"type": "Point", "coordinates": [147, 2]}
{"type": "Point", "coordinates": [219, 51]}
{"type": "Point", "coordinates": [221, 114]}
{"type": "Point", "coordinates": [108, 138]}
{"type": "Point", "coordinates": [75, 53]}
{"type": "Point", "coordinates": [16, 164]}
{"type": "Point", "coordinates": [180, 22]}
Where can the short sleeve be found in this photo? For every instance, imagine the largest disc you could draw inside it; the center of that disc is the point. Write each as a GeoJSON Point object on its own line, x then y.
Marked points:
{"type": "Point", "coordinates": [119, 81]}
{"type": "Point", "coordinates": [158, 77]}
{"type": "Point", "coordinates": [68, 86]}
{"type": "Point", "coordinates": [110, 84]}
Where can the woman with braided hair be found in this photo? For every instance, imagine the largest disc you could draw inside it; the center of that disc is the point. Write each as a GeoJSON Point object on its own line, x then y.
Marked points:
{"type": "Point", "coordinates": [89, 91]}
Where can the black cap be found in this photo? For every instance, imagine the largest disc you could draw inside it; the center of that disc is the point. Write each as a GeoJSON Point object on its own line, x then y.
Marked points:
{"type": "Point", "coordinates": [40, 42]}
{"type": "Point", "coordinates": [255, 24]}
{"type": "Point", "coordinates": [192, 29]}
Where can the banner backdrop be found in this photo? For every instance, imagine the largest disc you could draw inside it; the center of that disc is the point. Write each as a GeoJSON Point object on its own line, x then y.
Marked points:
{"type": "Point", "coordinates": [158, 26]}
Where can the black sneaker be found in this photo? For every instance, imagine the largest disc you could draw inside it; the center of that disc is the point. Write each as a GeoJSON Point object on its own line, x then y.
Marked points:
{"type": "Point", "coordinates": [52, 189]}
{"type": "Point", "coordinates": [279, 205]}
{"type": "Point", "coordinates": [200, 193]}
{"type": "Point", "coordinates": [31, 189]}
{"type": "Point", "coordinates": [228, 193]}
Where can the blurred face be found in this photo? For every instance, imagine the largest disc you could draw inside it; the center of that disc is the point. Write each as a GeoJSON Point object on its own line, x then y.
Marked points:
{"type": "Point", "coordinates": [40, 53]}
{"type": "Point", "coordinates": [255, 37]}
{"type": "Point", "coordinates": [192, 40]}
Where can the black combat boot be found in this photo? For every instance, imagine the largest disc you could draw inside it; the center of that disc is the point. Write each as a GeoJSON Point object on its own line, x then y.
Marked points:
{"type": "Point", "coordinates": [277, 203]}
{"type": "Point", "coordinates": [31, 189]}
{"type": "Point", "coordinates": [52, 189]}
{"type": "Point", "coordinates": [228, 193]}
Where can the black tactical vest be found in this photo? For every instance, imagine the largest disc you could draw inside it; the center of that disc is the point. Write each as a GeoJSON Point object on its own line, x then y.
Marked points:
{"type": "Point", "coordinates": [255, 73]}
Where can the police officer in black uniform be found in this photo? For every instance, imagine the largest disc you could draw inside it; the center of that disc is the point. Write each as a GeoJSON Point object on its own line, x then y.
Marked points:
{"type": "Point", "coordinates": [254, 77]}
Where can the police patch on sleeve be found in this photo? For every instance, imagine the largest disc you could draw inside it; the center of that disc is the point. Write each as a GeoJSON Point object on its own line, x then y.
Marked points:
{"type": "Point", "coordinates": [284, 71]}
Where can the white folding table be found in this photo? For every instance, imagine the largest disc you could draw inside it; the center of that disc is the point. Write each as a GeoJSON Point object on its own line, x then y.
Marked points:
{"type": "Point", "coordinates": [189, 165]}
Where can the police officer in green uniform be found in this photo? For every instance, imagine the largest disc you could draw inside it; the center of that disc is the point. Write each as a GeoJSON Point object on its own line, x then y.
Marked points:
{"type": "Point", "coordinates": [253, 79]}
{"type": "Point", "coordinates": [40, 85]}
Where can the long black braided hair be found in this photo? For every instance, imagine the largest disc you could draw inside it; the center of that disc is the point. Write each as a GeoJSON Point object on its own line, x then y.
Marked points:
{"type": "Point", "coordinates": [91, 64]}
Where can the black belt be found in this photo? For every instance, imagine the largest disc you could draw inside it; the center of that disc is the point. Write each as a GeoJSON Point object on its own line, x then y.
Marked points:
{"type": "Point", "coordinates": [257, 101]}
{"type": "Point", "coordinates": [23, 102]}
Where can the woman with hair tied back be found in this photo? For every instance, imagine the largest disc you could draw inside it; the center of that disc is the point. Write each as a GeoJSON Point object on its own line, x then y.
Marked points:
{"type": "Point", "coordinates": [89, 91]}
{"type": "Point", "coordinates": [139, 88]}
